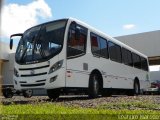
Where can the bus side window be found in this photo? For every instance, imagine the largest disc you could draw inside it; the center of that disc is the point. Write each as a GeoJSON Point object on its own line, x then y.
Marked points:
{"type": "Point", "coordinates": [99, 46]}
{"type": "Point", "coordinates": [76, 47]}
{"type": "Point", "coordinates": [144, 64]}
{"type": "Point", "coordinates": [104, 47]}
{"type": "Point", "coordinates": [136, 61]}
{"type": "Point", "coordinates": [127, 57]}
{"type": "Point", "coordinates": [95, 45]}
{"type": "Point", "coordinates": [115, 52]}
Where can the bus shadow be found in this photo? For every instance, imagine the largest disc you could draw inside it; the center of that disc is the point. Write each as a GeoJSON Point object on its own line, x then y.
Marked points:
{"type": "Point", "coordinates": [44, 99]}
{"type": "Point", "coordinates": [39, 99]}
{"type": "Point", "coordinates": [17, 102]}
{"type": "Point", "coordinates": [69, 98]}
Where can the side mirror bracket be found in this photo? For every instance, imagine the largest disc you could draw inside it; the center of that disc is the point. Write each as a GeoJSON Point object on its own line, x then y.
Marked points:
{"type": "Point", "coordinates": [11, 40]}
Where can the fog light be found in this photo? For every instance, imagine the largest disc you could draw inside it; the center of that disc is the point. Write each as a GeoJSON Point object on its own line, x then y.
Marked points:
{"type": "Point", "coordinates": [53, 79]}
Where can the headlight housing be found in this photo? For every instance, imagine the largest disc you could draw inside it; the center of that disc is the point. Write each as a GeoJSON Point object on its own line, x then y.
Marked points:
{"type": "Point", "coordinates": [56, 66]}
{"type": "Point", "coordinates": [16, 72]}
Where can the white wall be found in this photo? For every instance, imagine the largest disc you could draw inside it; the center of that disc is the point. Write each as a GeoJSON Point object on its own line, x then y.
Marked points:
{"type": "Point", "coordinates": [5, 51]}
{"type": "Point", "coordinates": [155, 75]}
{"type": "Point", "coordinates": [8, 69]}
{"type": "Point", "coordinates": [7, 56]}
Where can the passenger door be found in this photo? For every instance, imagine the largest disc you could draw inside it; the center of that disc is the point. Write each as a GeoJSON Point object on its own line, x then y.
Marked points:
{"type": "Point", "coordinates": [76, 75]}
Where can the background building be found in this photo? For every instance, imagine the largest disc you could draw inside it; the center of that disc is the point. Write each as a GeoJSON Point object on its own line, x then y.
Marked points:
{"type": "Point", "coordinates": [6, 64]}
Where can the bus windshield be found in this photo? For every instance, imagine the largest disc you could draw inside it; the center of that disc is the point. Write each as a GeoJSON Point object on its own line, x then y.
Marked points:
{"type": "Point", "coordinates": [40, 43]}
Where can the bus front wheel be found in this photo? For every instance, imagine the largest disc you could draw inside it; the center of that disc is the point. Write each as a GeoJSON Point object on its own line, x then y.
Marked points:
{"type": "Point", "coordinates": [94, 86]}
{"type": "Point", "coordinates": [8, 92]}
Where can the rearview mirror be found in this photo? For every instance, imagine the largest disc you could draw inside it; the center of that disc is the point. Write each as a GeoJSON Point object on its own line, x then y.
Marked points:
{"type": "Point", "coordinates": [11, 40]}
{"type": "Point", "coordinates": [11, 44]}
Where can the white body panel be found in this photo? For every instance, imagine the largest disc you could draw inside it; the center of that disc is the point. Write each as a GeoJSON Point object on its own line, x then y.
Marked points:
{"type": "Point", "coordinates": [115, 75]}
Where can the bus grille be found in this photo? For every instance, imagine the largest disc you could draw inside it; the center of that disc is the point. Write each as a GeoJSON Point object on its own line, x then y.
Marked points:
{"type": "Point", "coordinates": [32, 85]}
{"type": "Point", "coordinates": [33, 68]}
{"type": "Point", "coordinates": [30, 75]}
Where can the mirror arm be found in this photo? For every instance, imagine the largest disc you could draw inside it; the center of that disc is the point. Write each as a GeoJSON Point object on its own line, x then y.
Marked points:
{"type": "Point", "coordinates": [19, 34]}
{"type": "Point", "coordinates": [11, 40]}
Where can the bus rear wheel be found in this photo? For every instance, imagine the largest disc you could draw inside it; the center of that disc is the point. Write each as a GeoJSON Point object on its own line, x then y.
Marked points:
{"type": "Point", "coordinates": [94, 86]}
{"type": "Point", "coordinates": [135, 90]}
{"type": "Point", "coordinates": [53, 94]}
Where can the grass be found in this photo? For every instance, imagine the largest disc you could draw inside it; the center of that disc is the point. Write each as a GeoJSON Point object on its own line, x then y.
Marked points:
{"type": "Point", "coordinates": [131, 105]}
{"type": "Point", "coordinates": [44, 111]}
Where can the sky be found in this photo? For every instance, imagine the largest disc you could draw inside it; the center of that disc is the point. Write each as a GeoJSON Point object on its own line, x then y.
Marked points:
{"type": "Point", "coordinates": [113, 17]}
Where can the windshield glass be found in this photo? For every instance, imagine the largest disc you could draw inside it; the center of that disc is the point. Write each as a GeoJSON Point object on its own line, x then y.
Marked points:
{"type": "Point", "coordinates": [40, 43]}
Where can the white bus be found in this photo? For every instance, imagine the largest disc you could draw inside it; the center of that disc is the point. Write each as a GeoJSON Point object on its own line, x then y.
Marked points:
{"type": "Point", "coordinates": [69, 55]}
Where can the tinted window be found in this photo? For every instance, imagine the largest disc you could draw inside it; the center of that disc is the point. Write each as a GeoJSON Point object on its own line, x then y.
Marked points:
{"type": "Point", "coordinates": [104, 47]}
{"type": "Point", "coordinates": [99, 46]}
{"type": "Point", "coordinates": [144, 64]}
{"type": "Point", "coordinates": [76, 47]}
{"type": "Point", "coordinates": [136, 61]}
{"type": "Point", "coordinates": [114, 52]}
{"type": "Point", "coordinates": [95, 44]}
{"type": "Point", "coordinates": [127, 57]}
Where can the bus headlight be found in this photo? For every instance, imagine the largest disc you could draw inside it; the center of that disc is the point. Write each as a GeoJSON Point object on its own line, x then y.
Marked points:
{"type": "Point", "coordinates": [56, 66]}
{"type": "Point", "coordinates": [16, 72]}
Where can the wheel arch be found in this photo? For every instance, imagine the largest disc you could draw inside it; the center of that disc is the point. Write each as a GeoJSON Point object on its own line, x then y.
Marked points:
{"type": "Point", "coordinates": [97, 72]}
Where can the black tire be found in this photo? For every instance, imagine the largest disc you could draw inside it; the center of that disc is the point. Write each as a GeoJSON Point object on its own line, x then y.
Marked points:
{"type": "Point", "coordinates": [8, 93]}
{"type": "Point", "coordinates": [136, 88]}
{"type": "Point", "coordinates": [27, 93]}
{"type": "Point", "coordinates": [53, 94]}
{"type": "Point", "coordinates": [94, 86]}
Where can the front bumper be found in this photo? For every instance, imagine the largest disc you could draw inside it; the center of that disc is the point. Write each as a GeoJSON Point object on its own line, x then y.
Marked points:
{"type": "Point", "coordinates": [47, 81]}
